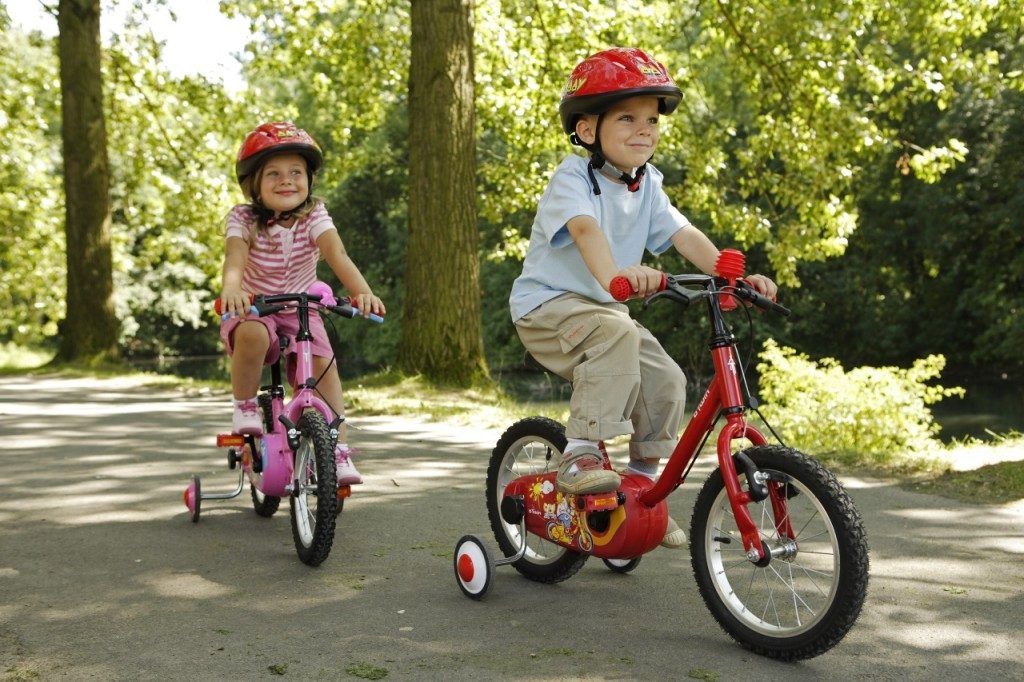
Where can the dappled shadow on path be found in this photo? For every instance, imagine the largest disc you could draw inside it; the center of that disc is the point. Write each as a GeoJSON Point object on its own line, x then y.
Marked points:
{"type": "Point", "coordinates": [96, 545]}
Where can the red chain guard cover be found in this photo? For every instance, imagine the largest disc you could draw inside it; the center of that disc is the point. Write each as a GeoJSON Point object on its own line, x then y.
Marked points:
{"type": "Point", "coordinates": [625, 532]}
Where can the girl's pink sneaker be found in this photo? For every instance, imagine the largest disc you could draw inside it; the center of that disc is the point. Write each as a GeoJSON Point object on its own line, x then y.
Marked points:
{"type": "Point", "coordinates": [347, 474]}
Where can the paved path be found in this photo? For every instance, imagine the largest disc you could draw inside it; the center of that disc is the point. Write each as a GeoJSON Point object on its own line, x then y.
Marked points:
{"type": "Point", "coordinates": [102, 576]}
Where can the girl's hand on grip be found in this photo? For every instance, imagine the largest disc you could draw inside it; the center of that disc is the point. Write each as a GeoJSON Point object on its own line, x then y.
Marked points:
{"type": "Point", "coordinates": [234, 303]}
{"type": "Point", "coordinates": [367, 304]}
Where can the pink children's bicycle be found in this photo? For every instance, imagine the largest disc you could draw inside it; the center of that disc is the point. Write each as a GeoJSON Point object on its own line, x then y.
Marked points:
{"type": "Point", "coordinates": [777, 548]}
{"type": "Point", "coordinates": [294, 456]}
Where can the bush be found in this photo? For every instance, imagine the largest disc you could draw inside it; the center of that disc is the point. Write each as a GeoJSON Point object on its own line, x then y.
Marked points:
{"type": "Point", "coordinates": [869, 415]}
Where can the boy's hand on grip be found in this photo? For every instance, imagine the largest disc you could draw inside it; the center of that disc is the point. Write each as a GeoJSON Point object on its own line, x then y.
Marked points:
{"type": "Point", "coordinates": [636, 281]}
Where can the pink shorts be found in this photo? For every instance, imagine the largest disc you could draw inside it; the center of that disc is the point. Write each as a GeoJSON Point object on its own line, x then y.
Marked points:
{"type": "Point", "coordinates": [283, 323]}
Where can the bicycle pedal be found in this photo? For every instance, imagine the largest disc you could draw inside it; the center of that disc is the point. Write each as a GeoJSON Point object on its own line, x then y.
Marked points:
{"type": "Point", "coordinates": [344, 491]}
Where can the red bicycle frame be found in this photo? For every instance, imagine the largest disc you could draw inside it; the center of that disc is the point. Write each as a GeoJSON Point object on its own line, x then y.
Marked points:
{"type": "Point", "coordinates": [725, 396]}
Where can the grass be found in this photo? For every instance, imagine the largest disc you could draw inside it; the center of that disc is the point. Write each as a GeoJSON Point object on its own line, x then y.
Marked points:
{"type": "Point", "coordinates": [486, 405]}
{"type": "Point", "coordinates": [976, 471]}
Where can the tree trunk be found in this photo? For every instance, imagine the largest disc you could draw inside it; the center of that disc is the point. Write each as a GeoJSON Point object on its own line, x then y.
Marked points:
{"type": "Point", "coordinates": [90, 330]}
{"type": "Point", "coordinates": [442, 335]}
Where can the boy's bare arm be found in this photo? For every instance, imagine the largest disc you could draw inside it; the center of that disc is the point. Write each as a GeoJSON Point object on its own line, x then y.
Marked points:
{"type": "Point", "coordinates": [597, 254]}
{"type": "Point", "coordinates": [694, 246]}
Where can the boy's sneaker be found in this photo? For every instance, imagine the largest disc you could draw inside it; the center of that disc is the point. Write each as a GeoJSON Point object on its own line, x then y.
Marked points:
{"type": "Point", "coordinates": [347, 474]}
{"type": "Point", "coordinates": [582, 473]}
{"type": "Point", "coordinates": [247, 418]}
{"type": "Point", "coordinates": [674, 535]}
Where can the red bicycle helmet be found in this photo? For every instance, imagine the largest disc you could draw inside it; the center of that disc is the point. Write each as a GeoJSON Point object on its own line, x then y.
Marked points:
{"type": "Point", "coordinates": [604, 78]}
{"type": "Point", "coordinates": [280, 137]}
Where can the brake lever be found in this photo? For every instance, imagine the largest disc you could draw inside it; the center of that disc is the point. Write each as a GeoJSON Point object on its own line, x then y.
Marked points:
{"type": "Point", "coordinates": [677, 294]}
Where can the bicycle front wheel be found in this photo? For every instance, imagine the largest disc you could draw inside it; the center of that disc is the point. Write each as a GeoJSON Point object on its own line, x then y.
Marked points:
{"type": "Point", "coordinates": [314, 495]}
{"type": "Point", "coordinates": [805, 599]}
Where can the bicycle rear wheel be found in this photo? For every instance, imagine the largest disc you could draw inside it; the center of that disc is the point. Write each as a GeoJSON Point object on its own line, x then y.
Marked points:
{"type": "Point", "coordinates": [804, 600]}
{"type": "Point", "coordinates": [530, 446]}
{"type": "Point", "coordinates": [313, 500]}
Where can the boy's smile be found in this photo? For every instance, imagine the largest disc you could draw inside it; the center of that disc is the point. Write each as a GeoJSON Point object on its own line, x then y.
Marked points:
{"type": "Point", "coordinates": [629, 132]}
{"type": "Point", "coordinates": [284, 183]}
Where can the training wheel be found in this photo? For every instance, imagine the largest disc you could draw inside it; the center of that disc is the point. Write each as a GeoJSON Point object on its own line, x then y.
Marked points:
{"type": "Point", "coordinates": [474, 567]}
{"type": "Point", "coordinates": [622, 565]}
{"type": "Point", "coordinates": [193, 496]}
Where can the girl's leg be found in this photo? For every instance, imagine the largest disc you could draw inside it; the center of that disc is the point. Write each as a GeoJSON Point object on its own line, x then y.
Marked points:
{"type": "Point", "coordinates": [330, 389]}
{"type": "Point", "coordinates": [250, 343]}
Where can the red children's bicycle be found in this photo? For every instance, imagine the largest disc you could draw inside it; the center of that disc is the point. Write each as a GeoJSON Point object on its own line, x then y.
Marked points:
{"type": "Point", "coordinates": [777, 547]}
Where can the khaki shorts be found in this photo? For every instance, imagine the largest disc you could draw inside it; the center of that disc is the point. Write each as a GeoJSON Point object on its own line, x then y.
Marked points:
{"type": "Point", "coordinates": [623, 381]}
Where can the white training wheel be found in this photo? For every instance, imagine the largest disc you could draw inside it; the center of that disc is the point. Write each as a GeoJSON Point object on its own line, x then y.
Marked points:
{"type": "Point", "coordinates": [622, 565]}
{"type": "Point", "coordinates": [474, 567]}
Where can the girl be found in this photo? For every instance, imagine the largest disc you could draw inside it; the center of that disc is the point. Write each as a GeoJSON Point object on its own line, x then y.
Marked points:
{"type": "Point", "coordinates": [273, 245]}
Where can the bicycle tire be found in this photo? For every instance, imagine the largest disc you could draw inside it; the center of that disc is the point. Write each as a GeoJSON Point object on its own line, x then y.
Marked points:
{"type": "Point", "coordinates": [313, 499]}
{"type": "Point", "coordinates": [518, 453]}
{"type": "Point", "coordinates": [823, 574]}
{"type": "Point", "coordinates": [264, 505]}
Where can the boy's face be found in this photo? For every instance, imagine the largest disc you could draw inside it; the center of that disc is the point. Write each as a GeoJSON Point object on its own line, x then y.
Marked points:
{"type": "Point", "coordinates": [629, 131]}
{"type": "Point", "coordinates": [284, 183]}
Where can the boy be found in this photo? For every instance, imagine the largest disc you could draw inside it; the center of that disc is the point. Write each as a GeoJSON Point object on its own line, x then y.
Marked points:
{"type": "Point", "coordinates": [593, 223]}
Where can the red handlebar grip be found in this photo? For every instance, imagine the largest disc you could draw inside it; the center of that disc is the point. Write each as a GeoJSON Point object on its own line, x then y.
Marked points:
{"type": "Point", "coordinates": [621, 290]}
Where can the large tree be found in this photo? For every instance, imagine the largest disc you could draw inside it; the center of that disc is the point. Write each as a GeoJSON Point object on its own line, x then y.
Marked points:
{"type": "Point", "coordinates": [90, 329]}
{"type": "Point", "coordinates": [441, 331]}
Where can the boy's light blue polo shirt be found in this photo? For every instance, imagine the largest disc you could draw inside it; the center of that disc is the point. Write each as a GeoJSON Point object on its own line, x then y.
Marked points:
{"type": "Point", "coordinates": [632, 222]}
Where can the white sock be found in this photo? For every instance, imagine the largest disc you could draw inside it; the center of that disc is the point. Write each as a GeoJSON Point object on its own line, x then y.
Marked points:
{"type": "Point", "coordinates": [574, 443]}
{"type": "Point", "coordinates": [639, 466]}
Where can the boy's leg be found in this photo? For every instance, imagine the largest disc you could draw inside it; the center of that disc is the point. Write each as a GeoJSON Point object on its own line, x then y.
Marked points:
{"type": "Point", "coordinates": [660, 405]}
{"type": "Point", "coordinates": [596, 347]}
{"type": "Point", "coordinates": [656, 418]}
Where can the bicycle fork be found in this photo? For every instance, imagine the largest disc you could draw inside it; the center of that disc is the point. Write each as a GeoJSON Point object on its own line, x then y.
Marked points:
{"type": "Point", "coordinates": [759, 487]}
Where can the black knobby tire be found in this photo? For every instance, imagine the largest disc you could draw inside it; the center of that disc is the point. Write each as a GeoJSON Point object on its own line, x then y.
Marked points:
{"type": "Point", "coordinates": [805, 600]}
{"type": "Point", "coordinates": [265, 505]}
{"type": "Point", "coordinates": [313, 500]}
{"type": "Point", "coordinates": [530, 446]}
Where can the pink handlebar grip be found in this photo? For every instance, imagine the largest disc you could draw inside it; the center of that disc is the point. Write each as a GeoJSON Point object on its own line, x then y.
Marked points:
{"type": "Point", "coordinates": [621, 290]}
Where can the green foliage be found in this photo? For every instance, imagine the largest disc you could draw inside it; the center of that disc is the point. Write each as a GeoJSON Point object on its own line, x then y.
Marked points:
{"type": "Point", "coordinates": [869, 415]}
{"type": "Point", "coordinates": [31, 198]}
{"type": "Point", "coordinates": [805, 133]}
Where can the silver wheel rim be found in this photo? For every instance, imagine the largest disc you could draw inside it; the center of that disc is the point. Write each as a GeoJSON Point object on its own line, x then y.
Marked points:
{"type": "Point", "coordinates": [305, 491]}
{"type": "Point", "coordinates": [795, 590]}
{"type": "Point", "coordinates": [528, 456]}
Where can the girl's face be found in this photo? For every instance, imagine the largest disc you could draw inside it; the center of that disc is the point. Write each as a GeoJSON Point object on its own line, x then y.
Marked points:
{"type": "Point", "coordinates": [629, 131]}
{"type": "Point", "coordinates": [284, 183]}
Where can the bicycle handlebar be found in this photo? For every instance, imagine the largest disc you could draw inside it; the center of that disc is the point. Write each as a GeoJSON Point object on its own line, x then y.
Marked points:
{"type": "Point", "coordinates": [268, 305]}
{"type": "Point", "coordinates": [749, 294]}
{"type": "Point", "coordinates": [621, 290]}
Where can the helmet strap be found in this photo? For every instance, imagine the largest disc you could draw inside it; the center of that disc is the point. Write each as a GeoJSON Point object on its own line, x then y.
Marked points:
{"type": "Point", "coordinates": [598, 162]}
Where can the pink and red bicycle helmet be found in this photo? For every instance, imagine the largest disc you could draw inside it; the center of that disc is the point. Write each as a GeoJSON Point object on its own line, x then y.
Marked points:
{"type": "Point", "coordinates": [279, 137]}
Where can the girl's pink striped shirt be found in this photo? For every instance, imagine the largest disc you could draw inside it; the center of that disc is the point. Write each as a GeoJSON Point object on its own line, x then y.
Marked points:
{"type": "Point", "coordinates": [281, 260]}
